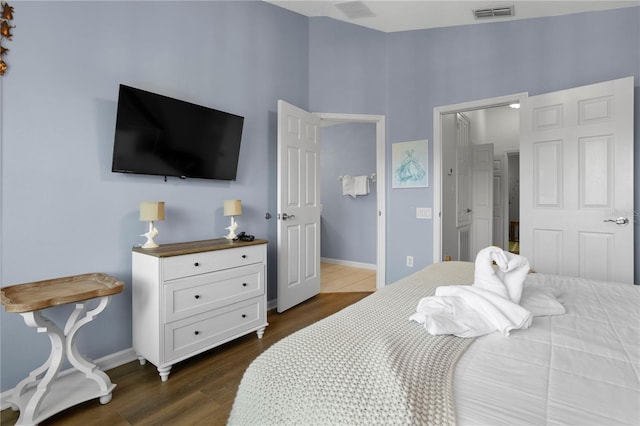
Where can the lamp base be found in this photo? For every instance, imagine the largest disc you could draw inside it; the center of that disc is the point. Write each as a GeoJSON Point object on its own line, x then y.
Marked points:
{"type": "Point", "coordinates": [150, 244]}
{"type": "Point", "coordinates": [151, 234]}
{"type": "Point", "coordinates": [232, 230]}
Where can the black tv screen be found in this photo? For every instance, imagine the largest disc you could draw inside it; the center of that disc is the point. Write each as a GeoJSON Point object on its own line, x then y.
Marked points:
{"type": "Point", "coordinates": [159, 135]}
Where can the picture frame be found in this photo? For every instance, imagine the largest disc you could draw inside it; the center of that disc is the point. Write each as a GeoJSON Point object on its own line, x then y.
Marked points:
{"type": "Point", "coordinates": [410, 164]}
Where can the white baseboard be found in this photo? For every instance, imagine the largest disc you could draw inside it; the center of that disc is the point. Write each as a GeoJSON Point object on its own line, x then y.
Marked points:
{"type": "Point", "coordinates": [105, 363]}
{"type": "Point", "coordinates": [272, 304]}
{"type": "Point", "coordinates": [361, 265]}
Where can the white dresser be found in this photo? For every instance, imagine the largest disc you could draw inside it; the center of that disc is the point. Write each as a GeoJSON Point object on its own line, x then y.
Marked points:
{"type": "Point", "coordinates": [191, 297]}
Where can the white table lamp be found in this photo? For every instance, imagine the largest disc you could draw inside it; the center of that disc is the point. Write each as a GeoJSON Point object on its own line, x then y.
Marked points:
{"type": "Point", "coordinates": [232, 208]}
{"type": "Point", "coordinates": [151, 211]}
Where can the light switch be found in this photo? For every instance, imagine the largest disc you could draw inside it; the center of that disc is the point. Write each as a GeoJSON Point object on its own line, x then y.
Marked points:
{"type": "Point", "coordinates": [424, 213]}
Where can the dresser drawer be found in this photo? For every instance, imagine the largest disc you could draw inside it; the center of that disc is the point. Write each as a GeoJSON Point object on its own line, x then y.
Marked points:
{"type": "Point", "coordinates": [195, 334]}
{"type": "Point", "coordinates": [210, 261]}
{"type": "Point", "coordinates": [201, 293]}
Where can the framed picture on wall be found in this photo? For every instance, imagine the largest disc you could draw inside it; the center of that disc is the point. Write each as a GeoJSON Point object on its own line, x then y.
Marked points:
{"type": "Point", "coordinates": [409, 163]}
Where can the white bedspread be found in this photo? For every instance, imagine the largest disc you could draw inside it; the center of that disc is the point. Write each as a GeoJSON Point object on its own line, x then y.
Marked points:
{"type": "Point", "coordinates": [580, 368]}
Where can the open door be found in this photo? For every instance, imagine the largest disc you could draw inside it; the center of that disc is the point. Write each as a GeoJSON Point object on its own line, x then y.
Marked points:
{"type": "Point", "coordinates": [576, 196]}
{"type": "Point", "coordinates": [298, 205]}
{"type": "Point", "coordinates": [482, 197]}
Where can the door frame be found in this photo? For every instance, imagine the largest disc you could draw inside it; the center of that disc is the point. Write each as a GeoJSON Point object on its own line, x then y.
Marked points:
{"type": "Point", "coordinates": [329, 119]}
{"type": "Point", "coordinates": [506, 211]}
{"type": "Point", "coordinates": [438, 112]}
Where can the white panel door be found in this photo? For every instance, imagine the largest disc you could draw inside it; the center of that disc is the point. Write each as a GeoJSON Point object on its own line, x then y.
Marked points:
{"type": "Point", "coordinates": [482, 197]}
{"type": "Point", "coordinates": [298, 205]}
{"type": "Point", "coordinates": [463, 171]}
{"type": "Point", "coordinates": [498, 208]}
{"type": "Point", "coordinates": [577, 181]}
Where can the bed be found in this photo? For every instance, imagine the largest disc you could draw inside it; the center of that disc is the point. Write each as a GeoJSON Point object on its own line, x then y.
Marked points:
{"type": "Point", "coordinates": [368, 364]}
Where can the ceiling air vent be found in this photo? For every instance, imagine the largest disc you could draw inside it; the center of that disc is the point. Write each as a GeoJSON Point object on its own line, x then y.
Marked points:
{"type": "Point", "coordinates": [355, 9]}
{"type": "Point", "coordinates": [494, 12]}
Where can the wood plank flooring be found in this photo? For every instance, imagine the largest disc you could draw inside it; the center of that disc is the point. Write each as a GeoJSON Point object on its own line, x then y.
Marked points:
{"type": "Point", "coordinates": [340, 278]}
{"type": "Point", "coordinates": [200, 390]}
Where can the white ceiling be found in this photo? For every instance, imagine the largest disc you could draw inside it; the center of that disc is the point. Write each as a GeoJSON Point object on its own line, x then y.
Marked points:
{"type": "Point", "coordinates": [405, 15]}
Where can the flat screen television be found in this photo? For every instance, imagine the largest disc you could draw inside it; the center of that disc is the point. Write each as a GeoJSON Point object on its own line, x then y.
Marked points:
{"type": "Point", "coordinates": [159, 135]}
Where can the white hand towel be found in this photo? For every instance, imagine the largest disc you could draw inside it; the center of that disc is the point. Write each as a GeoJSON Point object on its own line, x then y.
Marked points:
{"type": "Point", "coordinates": [513, 275]}
{"type": "Point", "coordinates": [450, 315]}
{"type": "Point", "coordinates": [485, 276]}
{"type": "Point", "coordinates": [361, 185]}
{"type": "Point", "coordinates": [348, 187]}
{"type": "Point", "coordinates": [501, 313]}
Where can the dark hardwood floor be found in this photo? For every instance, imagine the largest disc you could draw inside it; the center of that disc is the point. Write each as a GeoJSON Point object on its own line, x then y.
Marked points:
{"type": "Point", "coordinates": [200, 390]}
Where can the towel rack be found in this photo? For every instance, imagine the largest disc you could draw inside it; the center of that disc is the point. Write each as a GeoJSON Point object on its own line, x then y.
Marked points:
{"type": "Point", "coordinates": [371, 177]}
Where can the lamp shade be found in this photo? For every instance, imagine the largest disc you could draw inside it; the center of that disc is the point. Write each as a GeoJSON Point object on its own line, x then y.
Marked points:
{"type": "Point", "coordinates": [151, 211]}
{"type": "Point", "coordinates": [232, 208]}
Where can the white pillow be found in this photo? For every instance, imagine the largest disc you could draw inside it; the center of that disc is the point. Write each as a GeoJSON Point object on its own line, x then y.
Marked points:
{"type": "Point", "coordinates": [541, 301]}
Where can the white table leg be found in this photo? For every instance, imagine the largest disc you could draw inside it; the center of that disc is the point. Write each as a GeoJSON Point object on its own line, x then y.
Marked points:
{"type": "Point", "coordinates": [51, 366]}
{"type": "Point", "coordinates": [63, 343]}
{"type": "Point", "coordinates": [90, 370]}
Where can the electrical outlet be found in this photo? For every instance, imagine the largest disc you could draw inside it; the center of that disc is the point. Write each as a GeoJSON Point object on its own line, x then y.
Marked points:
{"type": "Point", "coordinates": [410, 261]}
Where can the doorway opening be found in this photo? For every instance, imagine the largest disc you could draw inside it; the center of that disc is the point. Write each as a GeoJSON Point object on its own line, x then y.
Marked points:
{"type": "Point", "coordinates": [445, 175]}
{"type": "Point", "coordinates": [376, 173]}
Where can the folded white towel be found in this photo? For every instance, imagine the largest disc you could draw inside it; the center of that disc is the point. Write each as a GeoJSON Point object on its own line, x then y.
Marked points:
{"type": "Point", "coordinates": [502, 314]}
{"type": "Point", "coordinates": [467, 312]}
{"type": "Point", "coordinates": [485, 276]}
{"type": "Point", "coordinates": [514, 274]}
{"type": "Point", "coordinates": [361, 185]}
{"type": "Point", "coordinates": [348, 187]}
{"type": "Point", "coordinates": [490, 304]}
{"type": "Point", "coordinates": [450, 315]}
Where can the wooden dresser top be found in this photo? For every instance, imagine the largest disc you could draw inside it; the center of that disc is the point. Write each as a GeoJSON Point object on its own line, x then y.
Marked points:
{"type": "Point", "coordinates": [190, 247]}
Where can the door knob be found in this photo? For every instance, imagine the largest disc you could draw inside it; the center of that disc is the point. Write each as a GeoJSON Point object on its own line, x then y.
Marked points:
{"type": "Point", "coordinates": [286, 216]}
{"type": "Point", "coordinates": [619, 221]}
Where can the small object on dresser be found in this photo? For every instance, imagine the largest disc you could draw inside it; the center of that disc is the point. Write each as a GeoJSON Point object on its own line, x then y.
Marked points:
{"type": "Point", "coordinates": [244, 237]}
{"type": "Point", "coordinates": [151, 211]}
{"type": "Point", "coordinates": [232, 208]}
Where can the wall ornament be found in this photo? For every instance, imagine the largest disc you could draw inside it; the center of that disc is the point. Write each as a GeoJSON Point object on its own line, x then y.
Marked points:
{"type": "Point", "coordinates": [5, 32]}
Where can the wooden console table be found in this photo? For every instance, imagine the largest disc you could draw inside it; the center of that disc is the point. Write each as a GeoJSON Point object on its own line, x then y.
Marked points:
{"type": "Point", "coordinates": [43, 394]}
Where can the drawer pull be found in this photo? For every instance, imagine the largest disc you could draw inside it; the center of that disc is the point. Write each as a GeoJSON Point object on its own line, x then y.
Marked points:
{"type": "Point", "coordinates": [244, 284]}
{"type": "Point", "coordinates": [196, 264]}
{"type": "Point", "coordinates": [197, 296]}
{"type": "Point", "coordinates": [244, 315]}
{"type": "Point", "coordinates": [244, 256]}
{"type": "Point", "coordinates": [196, 332]}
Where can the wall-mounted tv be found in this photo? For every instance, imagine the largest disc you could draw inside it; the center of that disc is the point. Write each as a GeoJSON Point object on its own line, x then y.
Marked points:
{"type": "Point", "coordinates": [159, 135]}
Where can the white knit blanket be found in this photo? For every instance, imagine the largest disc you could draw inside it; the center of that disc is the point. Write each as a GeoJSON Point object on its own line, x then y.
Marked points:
{"type": "Point", "coordinates": [365, 365]}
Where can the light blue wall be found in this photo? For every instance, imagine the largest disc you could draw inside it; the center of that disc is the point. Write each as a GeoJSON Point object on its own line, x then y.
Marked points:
{"type": "Point", "coordinates": [347, 68]}
{"type": "Point", "coordinates": [63, 211]}
{"type": "Point", "coordinates": [348, 224]}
